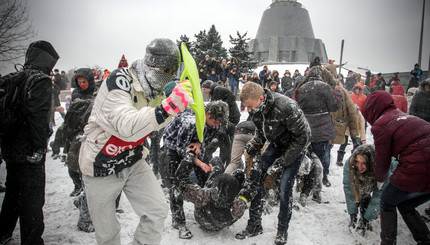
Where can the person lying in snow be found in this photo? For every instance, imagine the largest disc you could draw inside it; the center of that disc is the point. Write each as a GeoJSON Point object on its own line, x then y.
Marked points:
{"type": "Point", "coordinates": [361, 191]}
{"type": "Point", "coordinates": [220, 203]}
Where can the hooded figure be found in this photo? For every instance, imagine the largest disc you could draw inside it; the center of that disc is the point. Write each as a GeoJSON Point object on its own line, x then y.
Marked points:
{"type": "Point", "coordinates": [407, 138]}
{"type": "Point", "coordinates": [80, 91]}
{"type": "Point", "coordinates": [24, 151]}
{"type": "Point", "coordinates": [357, 95]}
{"type": "Point", "coordinates": [399, 98]}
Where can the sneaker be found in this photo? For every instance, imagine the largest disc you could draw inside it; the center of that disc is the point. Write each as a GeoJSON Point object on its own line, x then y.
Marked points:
{"type": "Point", "coordinates": [325, 181]}
{"type": "Point", "coordinates": [317, 197]}
{"type": "Point", "coordinates": [184, 233]}
{"type": "Point", "coordinates": [281, 237]}
{"type": "Point", "coordinates": [250, 231]}
{"type": "Point", "coordinates": [76, 192]}
{"type": "Point", "coordinates": [55, 156]}
{"type": "Point", "coordinates": [119, 211]}
{"type": "Point", "coordinates": [63, 158]}
{"type": "Point", "coordinates": [302, 199]}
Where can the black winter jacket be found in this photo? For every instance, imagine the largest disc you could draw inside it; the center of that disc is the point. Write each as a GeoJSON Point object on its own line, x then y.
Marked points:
{"type": "Point", "coordinates": [224, 94]}
{"type": "Point", "coordinates": [31, 136]}
{"type": "Point", "coordinates": [280, 121]}
{"type": "Point", "coordinates": [420, 103]}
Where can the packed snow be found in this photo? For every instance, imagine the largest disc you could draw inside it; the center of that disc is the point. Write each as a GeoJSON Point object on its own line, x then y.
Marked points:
{"type": "Point", "coordinates": [325, 223]}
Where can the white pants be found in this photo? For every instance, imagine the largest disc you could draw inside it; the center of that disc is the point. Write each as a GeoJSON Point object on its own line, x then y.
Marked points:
{"type": "Point", "coordinates": [145, 195]}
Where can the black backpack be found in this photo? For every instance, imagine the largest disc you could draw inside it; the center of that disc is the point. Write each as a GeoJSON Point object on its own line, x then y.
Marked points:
{"type": "Point", "coordinates": [13, 93]}
{"type": "Point", "coordinates": [73, 126]}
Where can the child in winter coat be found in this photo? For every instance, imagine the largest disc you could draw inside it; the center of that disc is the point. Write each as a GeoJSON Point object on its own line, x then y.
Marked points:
{"type": "Point", "coordinates": [360, 187]}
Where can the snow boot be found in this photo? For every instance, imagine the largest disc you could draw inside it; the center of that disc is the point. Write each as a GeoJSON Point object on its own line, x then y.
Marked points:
{"type": "Point", "coordinates": [340, 155]}
{"type": "Point", "coordinates": [281, 237]}
{"type": "Point", "coordinates": [325, 181]}
{"type": "Point", "coordinates": [184, 233]}
{"type": "Point", "coordinates": [388, 228]}
{"type": "Point", "coordinates": [302, 199]}
{"type": "Point", "coordinates": [317, 197]}
{"type": "Point", "coordinates": [417, 226]}
{"type": "Point", "coordinates": [250, 231]}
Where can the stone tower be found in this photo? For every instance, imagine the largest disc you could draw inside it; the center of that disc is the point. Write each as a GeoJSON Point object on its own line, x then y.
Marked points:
{"type": "Point", "coordinates": [285, 35]}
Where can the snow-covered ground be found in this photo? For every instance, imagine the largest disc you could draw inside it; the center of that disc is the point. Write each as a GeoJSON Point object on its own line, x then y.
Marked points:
{"type": "Point", "coordinates": [314, 224]}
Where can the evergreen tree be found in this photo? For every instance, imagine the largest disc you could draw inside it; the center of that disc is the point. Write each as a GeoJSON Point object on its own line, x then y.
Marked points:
{"type": "Point", "coordinates": [186, 40]}
{"type": "Point", "coordinates": [214, 43]}
{"type": "Point", "coordinates": [209, 43]}
{"type": "Point", "coordinates": [240, 50]}
{"type": "Point", "coordinates": [199, 50]}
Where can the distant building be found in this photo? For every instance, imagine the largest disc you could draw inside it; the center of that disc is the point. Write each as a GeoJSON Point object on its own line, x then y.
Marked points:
{"type": "Point", "coordinates": [285, 35]}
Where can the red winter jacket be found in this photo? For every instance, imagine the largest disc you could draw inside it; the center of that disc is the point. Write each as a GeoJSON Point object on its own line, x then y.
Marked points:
{"type": "Point", "coordinates": [405, 137]}
{"type": "Point", "coordinates": [399, 98]}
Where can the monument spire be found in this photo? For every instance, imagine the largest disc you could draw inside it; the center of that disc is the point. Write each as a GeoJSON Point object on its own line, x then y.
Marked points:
{"type": "Point", "coordinates": [285, 35]}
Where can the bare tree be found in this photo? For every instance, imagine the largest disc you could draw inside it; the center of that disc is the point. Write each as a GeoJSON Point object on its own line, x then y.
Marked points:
{"type": "Point", "coordinates": [15, 28]}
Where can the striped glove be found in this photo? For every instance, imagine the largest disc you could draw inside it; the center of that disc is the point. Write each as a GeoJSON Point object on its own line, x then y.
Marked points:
{"type": "Point", "coordinates": [180, 98]}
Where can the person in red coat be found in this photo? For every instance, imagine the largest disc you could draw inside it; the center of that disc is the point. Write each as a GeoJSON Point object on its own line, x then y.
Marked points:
{"type": "Point", "coordinates": [399, 98]}
{"type": "Point", "coordinates": [357, 95]}
{"type": "Point", "coordinates": [407, 138]}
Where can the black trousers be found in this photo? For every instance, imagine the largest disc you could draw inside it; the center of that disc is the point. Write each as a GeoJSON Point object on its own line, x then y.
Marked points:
{"type": "Point", "coordinates": [24, 199]}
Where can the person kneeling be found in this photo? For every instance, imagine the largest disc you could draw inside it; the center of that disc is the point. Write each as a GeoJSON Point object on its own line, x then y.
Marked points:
{"type": "Point", "coordinates": [361, 188]}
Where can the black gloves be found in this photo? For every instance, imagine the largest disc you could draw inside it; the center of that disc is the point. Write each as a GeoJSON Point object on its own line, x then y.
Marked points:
{"type": "Point", "coordinates": [37, 156]}
{"type": "Point", "coordinates": [353, 221]}
{"type": "Point", "coordinates": [363, 226]}
{"type": "Point", "coordinates": [252, 148]}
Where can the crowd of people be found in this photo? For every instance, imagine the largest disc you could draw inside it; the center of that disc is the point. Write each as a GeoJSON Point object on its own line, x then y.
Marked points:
{"type": "Point", "coordinates": [124, 129]}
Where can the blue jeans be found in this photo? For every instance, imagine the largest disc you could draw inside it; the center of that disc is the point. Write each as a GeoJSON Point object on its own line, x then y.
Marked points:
{"type": "Point", "coordinates": [286, 189]}
{"type": "Point", "coordinates": [321, 149]}
{"type": "Point", "coordinates": [404, 201]}
{"type": "Point", "coordinates": [234, 90]}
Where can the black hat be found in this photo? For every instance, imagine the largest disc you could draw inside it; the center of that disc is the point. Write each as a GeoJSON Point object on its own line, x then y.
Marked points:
{"type": "Point", "coordinates": [224, 190]}
{"type": "Point", "coordinates": [207, 84]}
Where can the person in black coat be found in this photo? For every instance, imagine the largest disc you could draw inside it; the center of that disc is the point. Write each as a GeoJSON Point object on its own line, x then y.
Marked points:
{"type": "Point", "coordinates": [219, 203]}
{"type": "Point", "coordinates": [226, 133]}
{"type": "Point", "coordinates": [24, 151]}
{"type": "Point", "coordinates": [280, 121]}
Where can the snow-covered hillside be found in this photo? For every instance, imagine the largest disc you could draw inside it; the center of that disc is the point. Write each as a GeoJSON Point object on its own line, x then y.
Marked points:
{"type": "Point", "coordinates": [313, 224]}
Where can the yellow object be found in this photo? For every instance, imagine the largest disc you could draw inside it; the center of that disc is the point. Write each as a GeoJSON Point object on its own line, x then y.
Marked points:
{"type": "Point", "coordinates": [244, 198]}
{"type": "Point", "coordinates": [191, 73]}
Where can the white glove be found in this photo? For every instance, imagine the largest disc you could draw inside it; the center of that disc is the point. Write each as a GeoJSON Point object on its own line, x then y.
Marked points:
{"type": "Point", "coordinates": [180, 98]}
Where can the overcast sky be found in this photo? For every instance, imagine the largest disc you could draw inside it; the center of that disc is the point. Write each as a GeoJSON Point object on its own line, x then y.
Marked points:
{"type": "Point", "coordinates": [382, 35]}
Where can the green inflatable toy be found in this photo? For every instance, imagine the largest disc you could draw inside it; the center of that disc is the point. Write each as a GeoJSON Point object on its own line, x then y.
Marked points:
{"type": "Point", "coordinates": [191, 72]}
